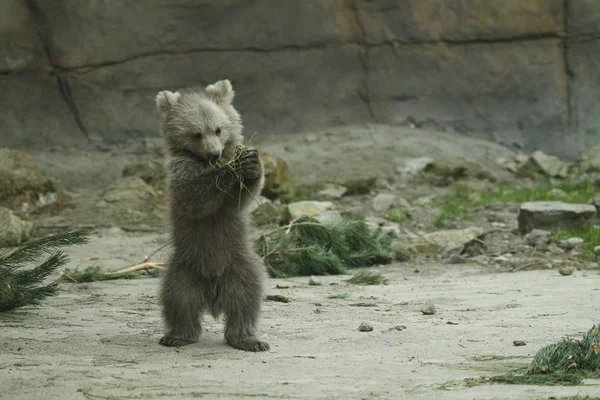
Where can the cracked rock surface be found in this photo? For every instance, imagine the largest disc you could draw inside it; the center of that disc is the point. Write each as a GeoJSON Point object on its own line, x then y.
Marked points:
{"type": "Point", "coordinates": [88, 74]}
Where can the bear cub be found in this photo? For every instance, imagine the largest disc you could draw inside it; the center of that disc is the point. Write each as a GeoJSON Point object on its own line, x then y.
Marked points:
{"type": "Point", "coordinates": [213, 266]}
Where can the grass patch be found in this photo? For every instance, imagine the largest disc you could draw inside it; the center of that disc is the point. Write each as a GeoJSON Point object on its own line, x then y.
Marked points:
{"type": "Point", "coordinates": [368, 278]}
{"type": "Point", "coordinates": [458, 204]}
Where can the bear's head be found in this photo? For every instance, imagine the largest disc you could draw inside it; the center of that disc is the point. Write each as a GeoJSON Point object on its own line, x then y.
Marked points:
{"type": "Point", "coordinates": [200, 121]}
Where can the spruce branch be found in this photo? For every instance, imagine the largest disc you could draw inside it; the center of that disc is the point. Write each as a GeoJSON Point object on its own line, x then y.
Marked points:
{"type": "Point", "coordinates": [22, 287]}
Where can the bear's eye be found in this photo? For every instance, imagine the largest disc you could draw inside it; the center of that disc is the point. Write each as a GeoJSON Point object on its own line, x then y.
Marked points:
{"type": "Point", "coordinates": [218, 131]}
{"type": "Point", "coordinates": [197, 135]}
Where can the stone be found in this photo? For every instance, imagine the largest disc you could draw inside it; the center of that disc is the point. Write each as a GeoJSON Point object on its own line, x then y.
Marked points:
{"type": "Point", "coordinates": [413, 166]}
{"type": "Point", "coordinates": [130, 193]}
{"type": "Point", "coordinates": [456, 259]}
{"type": "Point", "coordinates": [257, 202]}
{"type": "Point", "coordinates": [445, 240]}
{"type": "Point", "coordinates": [383, 201]}
{"type": "Point", "coordinates": [385, 225]}
{"type": "Point", "coordinates": [566, 271]}
{"type": "Point", "coordinates": [314, 281]}
{"type": "Point", "coordinates": [331, 191]}
{"type": "Point", "coordinates": [570, 243]}
{"type": "Point", "coordinates": [541, 163]}
{"type": "Point", "coordinates": [365, 327]}
{"type": "Point", "coordinates": [401, 252]}
{"type": "Point", "coordinates": [428, 309]}
{"type": "Point", "coordinates": [444, 171]}
{"type": "Point", "coordinates": [152, 172]}
{"type": "Point", "coordinates": [278, 180]}
{"type": "Point", "coordinates": [329, 217]}
{"type": "Point", "coordinates": [538, 238]}
{"type": "Point", "coordinates": [591, 160]}
{"type": "Point", "coordinates": [308, 208]}
{"type": "Point", "coordinates": [360, 186]}
{"type": "Point", "coordinates": [20, 175]}
{"type": "Point", "coordinates": [554, 215]}
{"type": "Point", "coordinates": [13, 231]}
{"type": "Point", "coordinates": [438, 88]}
{"type": "Point", "coordinates": [267, 213]}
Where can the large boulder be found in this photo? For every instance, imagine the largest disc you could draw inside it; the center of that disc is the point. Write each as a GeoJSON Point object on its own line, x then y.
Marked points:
{"type": "Point", "coordinates": [554, 215]}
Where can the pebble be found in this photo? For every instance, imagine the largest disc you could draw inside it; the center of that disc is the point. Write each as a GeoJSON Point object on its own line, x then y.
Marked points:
{"type": "Point", "coordinates": [428, 309]}
{"type": "Point", "coordinates": [313, 281]}
{"type": "Point", "coordinates": [566, 271]}
{"type": "Point", "coordinates": [398, 328]}
{"type": "Point", "coordinates": [365, 327]}
{"type": "Point", "coordinates": [519, 343]}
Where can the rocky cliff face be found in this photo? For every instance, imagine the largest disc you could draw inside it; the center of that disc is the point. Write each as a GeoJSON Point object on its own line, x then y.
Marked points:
{"type": "Point", "coordinates": [524, 73]}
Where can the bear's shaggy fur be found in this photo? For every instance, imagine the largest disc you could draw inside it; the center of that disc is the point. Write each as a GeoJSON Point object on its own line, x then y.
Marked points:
{"type": "Point", "coordinates": [213, 266]}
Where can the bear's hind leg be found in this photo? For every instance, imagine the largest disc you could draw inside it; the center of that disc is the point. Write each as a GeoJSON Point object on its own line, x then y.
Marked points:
{"type": "Point", "coordinates": [242, 301]}
{"type": "Point", "coordinates": [182, 306]}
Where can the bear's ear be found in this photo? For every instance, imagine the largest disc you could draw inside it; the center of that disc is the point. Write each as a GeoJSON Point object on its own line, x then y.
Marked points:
{"type": "Point", "coordinates": [221, 92]}
{"type": "Point", "coordinates": [165, 100]}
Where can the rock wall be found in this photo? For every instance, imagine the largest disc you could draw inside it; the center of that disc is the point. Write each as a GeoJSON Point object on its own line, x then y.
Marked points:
{"type": "Point", "coordinates": [521, 72]}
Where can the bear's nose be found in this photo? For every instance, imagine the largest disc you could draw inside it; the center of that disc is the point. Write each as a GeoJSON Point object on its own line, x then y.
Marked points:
{"type": "Point", "coordinates": [212, 157]}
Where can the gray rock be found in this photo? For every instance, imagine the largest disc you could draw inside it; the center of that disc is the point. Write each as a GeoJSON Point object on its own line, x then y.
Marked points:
{"type": "Point", "coordinates": [541, 163]}
{"type": "Point", "coordinates": [428, 309]}
{"type": "Point", "coordinates": [383, 201]}
{"type": "Point", "coordinates": [446, 170]}
{"type": "Point", "coordinates": [413, 166]}
{"type": "Point", "coordinates": [332, 191]}
{"type": "Point", "coordinates": [13, 231]}
{"type": "Point", "coordinates": [570, 243]}
{"type": "Point", "coordinates": [267, 213]}
{"type": "Point", "coordinates": [554, 214]}
{"type": "Point", "coordinates": [24, 186]}
{"type": "Point", "coordinates": [538, 238]}
{"type": "Point", "coordinates": [309, 208]}
{"type": "Point", "coordinates": [107, 90]}
{"type": "Point", "coordinates": [152, 172]}
{"type": "Point", "coordinates": [314, 281]}
{"type": "Point", "coordinates": [257, 202]}
{"type": "Point", "coordinates": [329, 217]}
{"type": "Point", "coordinates": [566, 271]}
{"type": "Point", "coordinates": [456, 259]}
{"type": "Point", "coordinates": [130, 193]}
{"type": "Point", "coordinates": [365, 327]}
{"type": "Point", "coordinates": [445, 240]}
{"type": "Point", "coordinates": [401, 252]}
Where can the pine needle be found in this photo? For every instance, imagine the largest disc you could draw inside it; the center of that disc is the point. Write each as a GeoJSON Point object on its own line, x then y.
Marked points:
{"type": "Point", "coordinates": [19, 288]}
{"type": "Point", "coordinates": [368, 278]}
{"type": "Point", "coordinates": [569, 355]}
{"type": "Point", "coordinates": [306, 247]}
{"type": "Point", "coordinates": [226, 169]}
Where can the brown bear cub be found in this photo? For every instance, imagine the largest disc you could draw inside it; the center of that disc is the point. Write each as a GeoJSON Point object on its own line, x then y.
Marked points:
{"type": "Point", "coordinates": [213, 266]}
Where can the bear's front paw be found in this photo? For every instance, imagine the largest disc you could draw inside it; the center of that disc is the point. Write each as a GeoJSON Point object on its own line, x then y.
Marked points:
{"type": "Point", "coordinates": [251, 166]}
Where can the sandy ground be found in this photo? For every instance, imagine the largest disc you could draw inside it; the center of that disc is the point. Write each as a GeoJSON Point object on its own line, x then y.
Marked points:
{"type": "Point", "coordinates": [100, 340]}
